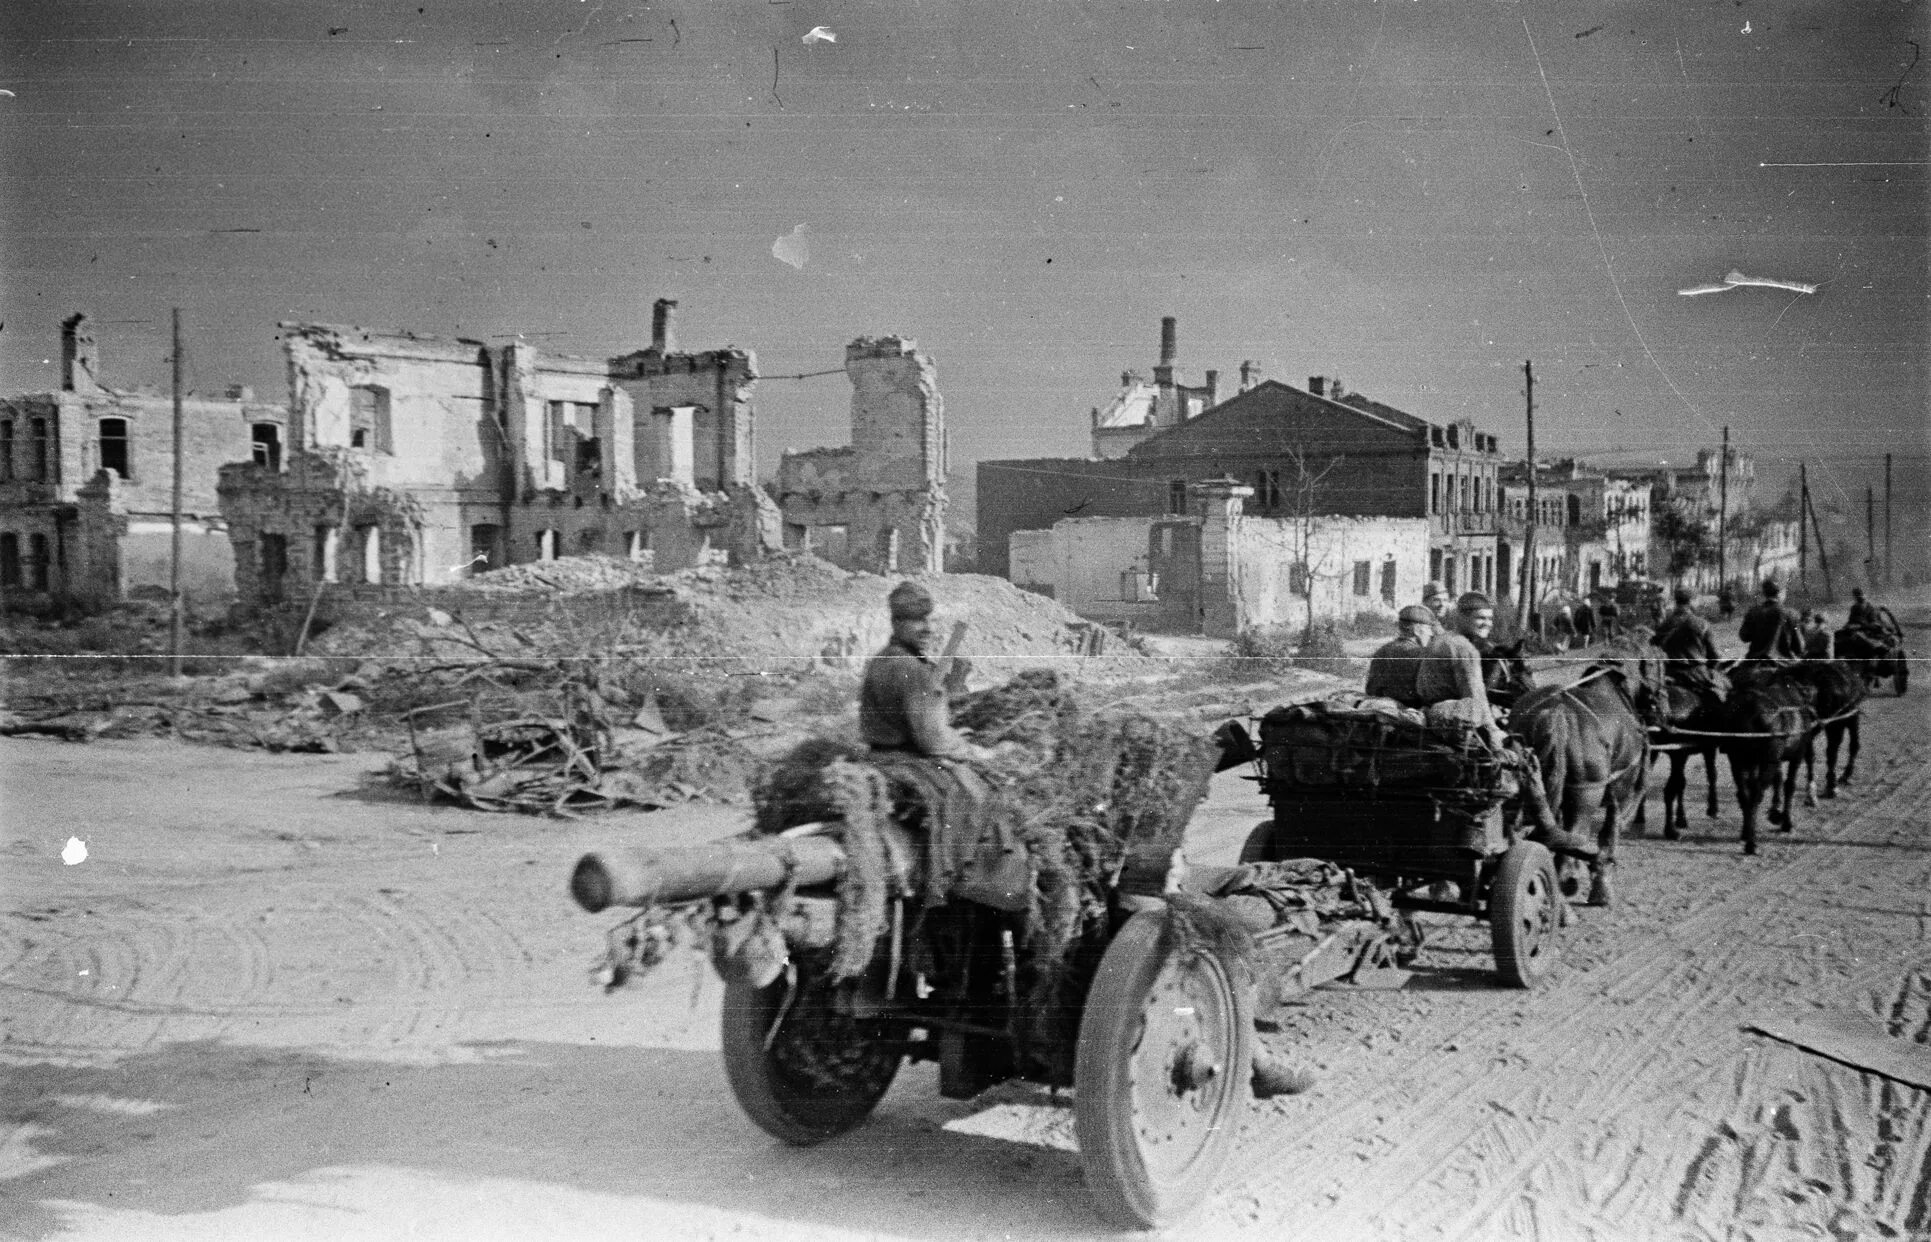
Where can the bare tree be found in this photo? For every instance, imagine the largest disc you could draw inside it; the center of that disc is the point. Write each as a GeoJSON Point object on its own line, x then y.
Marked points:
{"type": "Point", "coordinates": [1302, 490]}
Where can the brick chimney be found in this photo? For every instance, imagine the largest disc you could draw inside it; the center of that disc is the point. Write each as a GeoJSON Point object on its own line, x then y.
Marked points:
{"type": "Point", "coordinates": [663, 326]}
{"type": "Point", "coordinates": [1250, 374]}
{"type": "Point", "coordinates": [1213, 389]}
{"type": "Point", "coordinates": [79, 361]}
{"type": "Point", "coordinates": [1318, 385]}
{"type": "Point", "coordinates": [1166, 408]}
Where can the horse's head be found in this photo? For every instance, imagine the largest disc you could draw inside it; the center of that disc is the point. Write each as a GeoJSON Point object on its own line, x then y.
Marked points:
{"type": "Point", "coordinates": [1640, 677]}
{"type": "Point", "coordinates": [1513, 678]}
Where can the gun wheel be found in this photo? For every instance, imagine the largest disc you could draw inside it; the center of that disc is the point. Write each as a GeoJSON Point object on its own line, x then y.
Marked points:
{"type": "Point", "coordinates": [1161, 1075]}
{"type": "Point", "coordinates": [823, 1072]}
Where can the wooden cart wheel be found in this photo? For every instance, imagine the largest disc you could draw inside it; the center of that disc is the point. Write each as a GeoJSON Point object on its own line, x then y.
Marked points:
{"type": "Point", "coordinates": [1525, 911]}
{"type": "Point", "coordinates": [1259, 846]}
{"type": "Point", "coordinates": [1166, 1046]}
{"type": "Point", "coordinates": [823, 1074]}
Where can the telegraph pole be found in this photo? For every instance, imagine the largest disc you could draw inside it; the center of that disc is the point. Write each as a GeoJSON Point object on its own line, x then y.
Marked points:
{"type": "Point", "coordinates": [1527, 607]}
{"type": "Point", "coordinates": [1723, 513]}
{"type": "Point", "coordinates": [1803, 525]}
{"type": "Point", "coordinates": [174, 558]}
{"type": "Point", "coordinates": [1887, 519]}
{"type": "Point", "coordinates": [1870, 536]}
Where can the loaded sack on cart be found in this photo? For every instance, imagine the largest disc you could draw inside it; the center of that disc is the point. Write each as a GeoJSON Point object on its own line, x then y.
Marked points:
{"type": "Point", "coordinates": [1027, 919]}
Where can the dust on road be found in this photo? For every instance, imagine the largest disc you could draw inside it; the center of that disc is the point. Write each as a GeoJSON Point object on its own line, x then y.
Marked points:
{"type": "Point", "coordinates": [276, 1001]}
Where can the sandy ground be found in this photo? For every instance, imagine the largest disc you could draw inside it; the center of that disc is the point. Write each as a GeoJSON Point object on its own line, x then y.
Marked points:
{"type": "Point", "coordinates": [275, 1002]}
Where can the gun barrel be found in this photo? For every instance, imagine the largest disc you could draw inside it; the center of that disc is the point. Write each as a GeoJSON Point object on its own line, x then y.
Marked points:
{"type": "Point", "coordinates": [630, 876]}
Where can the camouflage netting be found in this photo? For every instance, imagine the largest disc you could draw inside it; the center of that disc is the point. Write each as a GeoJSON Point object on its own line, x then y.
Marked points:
{"type": "Point", "coordinates": [1077, 787]}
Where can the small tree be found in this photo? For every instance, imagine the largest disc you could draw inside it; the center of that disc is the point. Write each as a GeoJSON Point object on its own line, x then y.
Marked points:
{"type": "Point", "coordinates": [1686, 538]}
{"type": "Point", "coordinates": [1302, 489]}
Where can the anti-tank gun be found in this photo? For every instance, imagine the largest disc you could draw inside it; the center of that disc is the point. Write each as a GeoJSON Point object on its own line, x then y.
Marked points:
{"type": "Point", "coordinates": [891, 909]}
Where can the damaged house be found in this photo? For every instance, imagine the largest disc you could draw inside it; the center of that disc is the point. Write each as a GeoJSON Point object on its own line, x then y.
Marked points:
{"type": "Point", "coordinates": [87, 482]}
{"type": "Point", "coordinates": [413, 461]}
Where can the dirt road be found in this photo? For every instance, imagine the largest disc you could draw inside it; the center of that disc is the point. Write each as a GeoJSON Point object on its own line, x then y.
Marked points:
{"type": "Point", "coordinates": [272, 1004]}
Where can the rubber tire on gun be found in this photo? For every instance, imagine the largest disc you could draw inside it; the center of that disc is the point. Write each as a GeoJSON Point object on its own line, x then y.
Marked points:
{"type": "Point", "coordinates": [1525, 912]}
{"type": "Point", "coordinates": [1161, 1075]}
{"type": "Point", "coordinates": [784, 1104]}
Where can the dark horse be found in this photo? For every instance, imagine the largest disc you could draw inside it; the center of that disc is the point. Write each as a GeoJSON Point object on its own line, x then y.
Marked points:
{"type": "Point", "coordinates": [1591, 741]}
{"type": "Point", "coordinates": [1689, 729]}
{"type": "Point", "coordinates": [1773, 718]}
{"type": "Point", "coordinates": [1505, 673]}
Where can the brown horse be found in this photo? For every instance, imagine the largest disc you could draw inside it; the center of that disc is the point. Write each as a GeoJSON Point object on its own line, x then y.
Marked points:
{"type": "Point", "coordinates": [1591, 741]}
{"type": "Point", "coordinates": [1770, 718]}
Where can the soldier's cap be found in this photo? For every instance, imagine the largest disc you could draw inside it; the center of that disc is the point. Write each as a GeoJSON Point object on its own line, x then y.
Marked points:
{"type": "Point", "coordinates": [1430, 590]}
{"type": "Point", "coordinates": [1415, 614]}
{"type": "Point", "coordinates": [1857, 592]}
{"type": "Point", "coordinates": [910, 602]}
{"type": "Point", "coordinates": [1772, 588]}
{"type": "Point", "coordinates": [1681, 595]}
{"type": "Point", "coordinates": [1474, 601]}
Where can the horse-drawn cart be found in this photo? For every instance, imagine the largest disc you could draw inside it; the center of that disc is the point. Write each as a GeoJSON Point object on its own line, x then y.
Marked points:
{"type": "Point", "coordinates": [916, 916]}
{"type": "Point", "coordinates": [1431, 812]}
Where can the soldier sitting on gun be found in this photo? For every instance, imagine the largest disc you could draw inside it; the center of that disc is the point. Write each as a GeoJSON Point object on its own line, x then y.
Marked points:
{"type": "Point", "coordinates": [902, 699]}
{"type": "Point", "coordinates": [1392, 668]}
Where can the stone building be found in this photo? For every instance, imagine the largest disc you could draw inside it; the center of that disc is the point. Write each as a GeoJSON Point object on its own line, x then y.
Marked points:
{"type": "Point", "coordinates": [87, 482]}
{"type": "Point", "coordinates": [413, 461]}
{"type": "Point", "coordinates": [1303, 453]}
{"type": "Point", "coordinates": [1592, 529]}
{"type": "Point", "coordinates": [877, 504]}
{"type": "Point", "coordinates": [1219, 570]}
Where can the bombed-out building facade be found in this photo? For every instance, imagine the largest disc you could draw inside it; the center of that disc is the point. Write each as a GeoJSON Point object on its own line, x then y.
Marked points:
{"type": "Point", "coordinates": [87, 482]}
{"type": "Point", "coordinates": [414, 461]}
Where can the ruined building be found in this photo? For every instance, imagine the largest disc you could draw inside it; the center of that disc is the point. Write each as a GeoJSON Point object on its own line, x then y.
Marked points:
{"type": "Point", "coordinates": [879, 503]}
{"type": "Point", "coordinates": [413, 461]}
{"type": "Point", "coordinates": [87, 482]}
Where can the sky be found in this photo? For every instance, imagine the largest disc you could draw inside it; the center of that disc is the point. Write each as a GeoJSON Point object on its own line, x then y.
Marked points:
{"type": "Point", "coordinates": [1416, 196]}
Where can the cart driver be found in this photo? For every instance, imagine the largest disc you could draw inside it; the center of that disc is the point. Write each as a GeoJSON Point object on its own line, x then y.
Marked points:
{"type": "Point", "coordinates": [1688, 647]}
{"type": "Point", "coordinates": [1435, 598]}
{"type": "Point", "coordinates": [902, 699]}
{"type": "Point", "coordinates": [1773, 632]}
{"type": "Point", "coordinates": [1450, 672]}
{"type": "Point", "coordinates": [1392, 668]}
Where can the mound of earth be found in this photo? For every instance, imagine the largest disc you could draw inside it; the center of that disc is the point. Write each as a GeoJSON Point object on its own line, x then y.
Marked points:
{"type": "Point", "coordinates": [790, 612]}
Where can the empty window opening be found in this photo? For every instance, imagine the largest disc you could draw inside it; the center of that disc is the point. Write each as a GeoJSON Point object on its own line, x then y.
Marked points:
{"type": "Point", "coordinates": [38, 452]}
{"type": "Point", "coordinates": [888, 550]}
{"type": "Point", "coordinates": [369, 419]}
{"type": "Point", "coordinates": [113, 442]}
{"type": "Point", "coordinates": [1297, 579]}
{"type": "Point", "coordinates": [1177, 496]}
{"type": "Point", "coordinates": [274, 564]}
{"type": "Point", "coordinates": [1388, 582]}
{"type": "Point", "coordinates": [322, 558]}
{"type": "Point", "coordinates": [371, 554]}
{"type": "Point", "coordinates": [637, 544]}
{"type": "Point", "coordinates": [482, 547]}
{"type": "Point", "coordinates": [6, 449]}
{"type": "Point", "coordinates": [267, 438]}
{"type": "Point", "coordinates": [38, 562]}
{"type": "Point", "coordinates": [546, 545]}
{"type": "Point", "coordinates": [1363, 578]}
{"type": "Point", "coordinates": [9, 560]}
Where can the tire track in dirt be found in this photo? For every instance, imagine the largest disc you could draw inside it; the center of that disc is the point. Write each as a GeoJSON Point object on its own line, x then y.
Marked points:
{"type": "Point", "coordinates": [1671, 988]}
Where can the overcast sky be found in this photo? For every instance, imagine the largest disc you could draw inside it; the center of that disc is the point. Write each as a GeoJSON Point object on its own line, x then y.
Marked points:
{"type": "Point", "coordinates": [1415, 195]}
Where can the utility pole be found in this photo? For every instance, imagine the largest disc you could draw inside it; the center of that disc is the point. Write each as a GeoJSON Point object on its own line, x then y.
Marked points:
{"type": "Point", "coordinates": [174, 559]}
{"type": "Point", "coordinates": [1723, 513]}
{"type": "Point", "coordinates": [1823, 557]}
{"type": "Point", "coordinates": [1887, 519]}
{"type": "Point", "coordinates": [1803, 526]}
{"type": "Point", "coordinates": [1528, 603]}
{"type": "Point", "coordinates": [1870, 536]}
